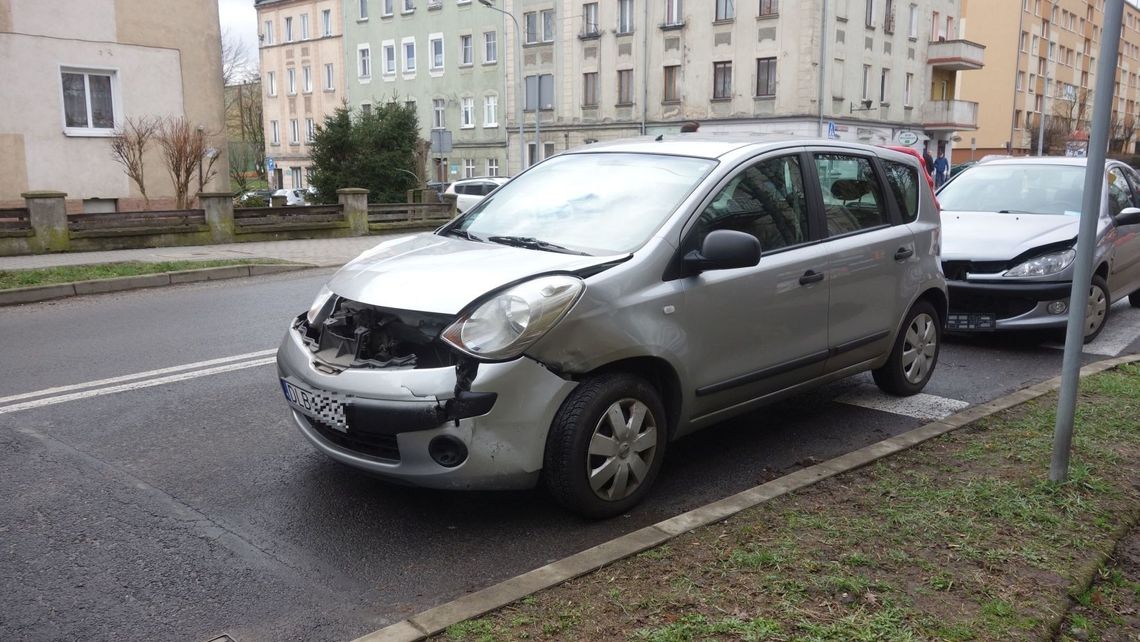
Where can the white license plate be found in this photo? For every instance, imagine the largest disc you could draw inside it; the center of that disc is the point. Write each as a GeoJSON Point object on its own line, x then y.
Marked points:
{"type": "Point", "coordinates": [322, 406]}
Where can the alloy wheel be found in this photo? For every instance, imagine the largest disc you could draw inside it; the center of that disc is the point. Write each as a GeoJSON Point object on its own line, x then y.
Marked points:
{"type": "Point", "coordinates": [622, 448]}
{"type": "Point", "coordinates": [920, 345]}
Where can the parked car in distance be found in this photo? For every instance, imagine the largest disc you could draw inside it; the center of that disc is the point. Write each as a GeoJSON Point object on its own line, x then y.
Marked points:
{"type": "Point", "coordinates": [1009, 232]}
{"type": "Point", "coordinates": [253, 198]}
{"type": "Point", "coordinates": [613, 299]}
{"type": "Point", "coordinates": [470, 191]}
{"type": "Point", "coordinates": [293, 196]}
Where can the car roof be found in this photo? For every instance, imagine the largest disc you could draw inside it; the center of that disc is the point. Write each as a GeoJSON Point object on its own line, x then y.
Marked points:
{"type": "Point", "coordinates": [1073, 161]}
{"type": "Point", "coordinates": [714, 146]}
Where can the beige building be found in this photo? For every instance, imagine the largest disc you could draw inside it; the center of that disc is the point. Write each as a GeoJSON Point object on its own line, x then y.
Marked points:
{"type": "Point", "coordinates": [302, 77]}
{"type": "Point", "coordinates": [73, 70]}
{"type": "Point", "coordinates": [875, 71]}
{"type": "Point", "coordinates": [1041, 65]}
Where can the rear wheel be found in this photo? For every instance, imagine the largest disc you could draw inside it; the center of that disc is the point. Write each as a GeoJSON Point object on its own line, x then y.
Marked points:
{"type": "Point", "coordinates": [914, 355]}
{"type": "Point", "coordinates": [606, 445]}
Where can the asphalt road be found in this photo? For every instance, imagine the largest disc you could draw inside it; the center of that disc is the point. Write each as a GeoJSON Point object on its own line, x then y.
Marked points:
{"type": "Point", "coordinates": [183, 504]}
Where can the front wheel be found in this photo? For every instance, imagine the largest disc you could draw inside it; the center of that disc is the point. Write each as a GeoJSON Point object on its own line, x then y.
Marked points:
{"type": "Point", "coordinates": [606, 445]}
{"type": "Point", "coordinates": [914, 355]}
{"type": "Point", "coordinates": [1096, 308]}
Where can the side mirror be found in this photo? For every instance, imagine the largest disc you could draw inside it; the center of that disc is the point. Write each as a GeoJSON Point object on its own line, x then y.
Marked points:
{"type": "Point", "coordinates": [1128, 216]}
{"type": "Point", "coordinates": [724, 250]}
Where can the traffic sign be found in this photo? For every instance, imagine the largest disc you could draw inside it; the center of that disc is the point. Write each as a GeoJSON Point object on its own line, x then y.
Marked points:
{"type": "Point", "coordinates": [270, 164]}
{"type": "Point", "coordinates": [832, 130]}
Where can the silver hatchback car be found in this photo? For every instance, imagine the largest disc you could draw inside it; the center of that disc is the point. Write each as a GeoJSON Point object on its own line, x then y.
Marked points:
{"type": "Point", "coordinates": [612, 299]}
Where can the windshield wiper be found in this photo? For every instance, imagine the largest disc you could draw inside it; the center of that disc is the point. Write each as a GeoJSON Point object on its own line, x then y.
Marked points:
{"type": "Point", "coordinates": [464, 234]}
{"type": "Point", "coordinates": [532, 243]}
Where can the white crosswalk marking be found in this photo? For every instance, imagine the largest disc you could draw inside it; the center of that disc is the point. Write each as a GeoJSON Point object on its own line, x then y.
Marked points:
{"type": "Point", "coordinates": [920, 406]}
{"type": "Point", "coordinates": [1122, 329]}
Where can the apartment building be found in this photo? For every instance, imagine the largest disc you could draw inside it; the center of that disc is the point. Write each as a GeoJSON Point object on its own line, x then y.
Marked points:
{"type": "Point", "coordinates": [302, 79]}
{"type": "Point", "coordinates": [875, 71]}
{"type": "Point", "coordinates": [445, 58]}
{"type": "Point", "coordinates": [1041, 68]}
{"type": "Point", "coordinates": [74, 70]}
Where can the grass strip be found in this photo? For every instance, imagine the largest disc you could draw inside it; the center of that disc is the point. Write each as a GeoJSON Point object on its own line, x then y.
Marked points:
{"type": "Point", "coordinates": [10, 279]}
{"type": "Point", "coordinates": [959, 538]}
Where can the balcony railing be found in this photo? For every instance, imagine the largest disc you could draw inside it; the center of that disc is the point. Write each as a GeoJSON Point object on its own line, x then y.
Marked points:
{"type": "Point", "coordinates": [958, 55]}
{"type": "Point", "coordinates": [950, 115]}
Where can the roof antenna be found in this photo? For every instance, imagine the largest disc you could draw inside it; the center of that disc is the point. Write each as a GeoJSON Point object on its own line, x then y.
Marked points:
{"type": "Point", "coordinates": [659, 138]}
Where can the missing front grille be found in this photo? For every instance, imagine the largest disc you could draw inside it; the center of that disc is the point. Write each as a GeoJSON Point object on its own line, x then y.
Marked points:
{"type": "Point", "coordinates": [357, 335]}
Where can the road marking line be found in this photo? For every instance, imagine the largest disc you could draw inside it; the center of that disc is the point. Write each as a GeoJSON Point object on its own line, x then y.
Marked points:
{"type": "Point", "coordinates": [138, 375]}
{"type": "Point", "coordinates": [920, 406]}
{"type": "Point", "coordinates": [1122, 329]}
{"type": "Point", "coordinates": [137, 385]}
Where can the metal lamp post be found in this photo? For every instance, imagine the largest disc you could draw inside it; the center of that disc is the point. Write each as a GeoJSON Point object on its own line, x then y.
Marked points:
{"type": "Point", "coordinates": [518, 82]}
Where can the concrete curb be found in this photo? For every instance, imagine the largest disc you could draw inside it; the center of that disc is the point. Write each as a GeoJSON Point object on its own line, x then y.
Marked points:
{"type": "Point", "coordinates": [123, 283]}
{"type": "Point", "coordinates": [437, 619]}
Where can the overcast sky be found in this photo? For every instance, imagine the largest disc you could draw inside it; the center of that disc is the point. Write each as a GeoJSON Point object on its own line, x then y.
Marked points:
{"type": "Point", "coordinates": [239, 19]}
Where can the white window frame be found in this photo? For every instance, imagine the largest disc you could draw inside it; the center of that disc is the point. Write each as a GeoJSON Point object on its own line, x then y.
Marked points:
{"type": "Point", "coordinates": [307, 79]}
{"type": "Point", "coordinates": [288, 28]}
{"type": "Point", "coordinates": [543, 16]}
{"type": "Point", "coordinates": [326, 22]}
{"type": "Point", "coordinates": [590, 19]}
{"type": "Point", "coordinates": [388, 59]}
{"type": "Point", "coordinates": [912, 30]}
{"type": "Point", "coordinates": [491, 46]}
{"type": "Point", "coordinates": [467, 112]}
{"type": "Point", "coordinates": [530, 36]}
{"type": "Point", "coordinates": [869, 16]}
{"type": "Point", "coordinates": [364, 62]}
{"type": "Point", "coordinates": [673, 14]}
{"type": "Point", "coordinates": [908, 84]}
{"type": "Point", "coordinates": [295, 177]}
{"type": "Point", "coordinates": [866, 82]}
{"type": "Point", "coordinates": [271, 83]}
{"type": "Point", "coordinates": [330, 77]}
{"type": "Point", "coordinates": [885, 86]}
{"type": "Point", "coordinates": [274, 133]}
{"type": "Point", "coordinates": [725, 10]}
{"type": "Point", "coordinates": [388, 8]}
{"type": "Point", "coordinates": [491, 111]}
{"type": "Point", "coordinates": [294, 131]}
{"type": "Point", "coordinates": [409, 6]}
{"type": "Point", "coordinates": [625, 17]}
{"type": "Point", "coordinates": [291, 81]}
{"type": "Point", "coordinates": [310, 130]}
{"type": "Point", "coordinates": [267, 34]}
{"type": "Point", "coordinates": [468, 168]}
{"type": "Point", "coordinates": [436, 60]}
{"type": "Point", "coordinates": [438, 113]}
{"type": "Point", "coordinates": [466, 50]}
{"type": "Point", "coordinates": [362, 10]}
{"type": "Point", "coordinates": [116, 106]}
{"type": "Point", "coordinates": [404, 44]}
{"type": "Point", "coordinates": [305, 26]}
{"type": "Point", "coordinates": [492, 167]}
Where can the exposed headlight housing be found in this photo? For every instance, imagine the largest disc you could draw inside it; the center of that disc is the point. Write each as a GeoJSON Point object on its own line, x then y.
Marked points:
{"type": "Point", "coordinates": [319, 303]}
{"type": "Point", "coordinates": [509, 322]}
{"type": "Point", "coordinates": [1044, 265]}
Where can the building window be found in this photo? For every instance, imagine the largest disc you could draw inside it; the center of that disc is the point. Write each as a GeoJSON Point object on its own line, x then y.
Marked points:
{"type": "Point", "coordinates": [548, 25]}
{"type": "Point", "coordinates": [726, 9]}
{"type": "Point", "coordinates": [490, 111]}
{"type": "Point", "coordinates": [326, 22]}
{"type": "Point", "coordinates": [295, 176]}
{"type": "Point", "coordinates": [436, 46]}
{"type": "Point", "coordinates": [271, 83]}
{"type": "Point", "coordinates": [329, 78]}
{"type": "Point", "coordinates": [530, 27]}
{"type": "Point", "coordinates": [870, 16]}
{"type": "Point", "coordinates": [468, 168]}
{"type": "Point", "coordinates": [410, 57]}
{"type": "Point", "coordinates": [409, 6]}
{"type": "Point", "coordinates": [466, 50]}
{"type": "Point", "coordinates": [768, 8]}
{"type": "Point", "coordinates": [539, 92]}
{"type": "Point", "coordinates": [363, 9]}
{"type": "Point", "coordinates": [294, 132]}
{"type": "Point", "coordinates": [306, 79]}
{"type": "Point", "coordinates": [590, 19]}
{"type": "Point", "coordinates": [625, 16]}
{"type": "Point", "coordinates": [590, 89]}
{"type": "Point", "coordinates": [310, 130]}
{"type": "Point", "coordinates": [885, 86]}
{"type": "Point", "coordinates": [490, 47]}
{"type": "Point", "coordinates": [387, 10]}
{"type": "Point", "coordinates": [866, 82]}
{"type": "Point", "coordinates": [766, 77]}
{"type": "Point", "coordinates": [388, 58]}
{"type": "Point", "coordinates": [625, 87]}
{"type": "Point", "coordinates": [889, 17]}
{"type": "Point", "coordinates": [288, 29]}
{"type": "Point", "coordinates": [365, 109]}
{"type": "Point", "coordinates": [88, 101]}
{"type": "Point", "coordinates": [291, 75]}
{"type": "Point", "coordinates": [907, 84]}
{"type": "Point", "coordinates": [267, 33]}
{"type": "Point", "coordinates": [274, 133]}
{"type": "Point", "coordinates": [912, 30]}
{"type": "Point", "coordinates": [722, 80]}
{"type": "Point", "coordinates": [364, 61]}
{"type": "Point", "coordinates": [438, 105]}
{"type": "Point", "coordinates": [492, 167]}
{"type": "Point", "coordinates": [1020, 81]}
{"type": "Point", "coordinates": [672, 83]}
{"type": "Point", "coordinates": [304, 26]}
{"type": "Point", "coordinates": [673, 12]}
{"type": "Point", "coordinates": [467, 112]}
{"type": "Point", "coordinates": [548, 150]}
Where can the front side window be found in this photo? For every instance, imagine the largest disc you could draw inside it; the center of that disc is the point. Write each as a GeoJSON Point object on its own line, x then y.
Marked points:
{"type": "Point", "coordinates": [625, 16]}
{"type": "Point", "coordinates": [903, 181]}
{"type": "Point", "coordinates": [601, 204]}
{"type": "Point", "coordinates": [490, 47]}
{"type": "Point", "coordinates": [1119, 194]}
{"type": "Point", "coordinates": [726, 9]}
{"type": "Point", "coordinates": [88, 100]}
{"type": "Point", "coordinates": [722, 80]}
{"type": "Point", "coordinates": [852, 197]}
{"type": "Point", "coordinates": [765, 200]}
{"type": "Point", "coordinates": [766, 77]}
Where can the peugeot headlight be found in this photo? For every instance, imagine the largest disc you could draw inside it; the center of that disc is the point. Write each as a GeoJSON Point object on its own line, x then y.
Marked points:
{"type": "Point", "coordinates": [506, 324]}
{"type": "Point", "coordinates": [1044, 265]}
{"type": "Point", "coordinates": [323, 297]}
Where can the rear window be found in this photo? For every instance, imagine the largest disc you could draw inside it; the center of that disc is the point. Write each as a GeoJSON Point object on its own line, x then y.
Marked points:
{"type": "Point", "coordinates": [903, 180]}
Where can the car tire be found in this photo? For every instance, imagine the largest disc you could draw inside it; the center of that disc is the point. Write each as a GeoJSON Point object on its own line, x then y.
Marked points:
{"type": "Point", "coordinates": [1134, 299]}
{"type": "Point", "coordinates": [914, 354]}
{"type": "Point", "coordinates": [590, 464]}
{"type": "Point", "coordinates": [1097, 307]}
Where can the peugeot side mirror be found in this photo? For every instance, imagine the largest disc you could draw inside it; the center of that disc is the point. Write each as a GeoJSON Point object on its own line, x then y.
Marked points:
{"type": "Point", "coordinates": [724, 250]}
{"type": "Point", "coordinates": [1128, 216]}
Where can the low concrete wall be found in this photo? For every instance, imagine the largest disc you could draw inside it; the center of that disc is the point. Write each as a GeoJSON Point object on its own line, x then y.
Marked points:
{"type": "Point", "coordinates": [44, 226]}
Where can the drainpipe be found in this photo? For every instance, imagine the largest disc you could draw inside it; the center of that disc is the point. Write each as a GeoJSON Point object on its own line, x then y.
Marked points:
{"type": "Point", "coordinates": [822, 66]}
{"type": "Point", "coordinates": [1016, 69]}
{"type": "Point", "coordinates": [645, 68]}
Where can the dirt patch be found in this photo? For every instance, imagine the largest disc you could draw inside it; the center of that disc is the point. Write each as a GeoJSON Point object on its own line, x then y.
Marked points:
{"type": "Point", "coordinates": [1109, 610]}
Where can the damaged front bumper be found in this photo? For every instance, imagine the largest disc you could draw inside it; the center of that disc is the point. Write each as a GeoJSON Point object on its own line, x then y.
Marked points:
{"type": "Point", "coordinates": [385, 420]}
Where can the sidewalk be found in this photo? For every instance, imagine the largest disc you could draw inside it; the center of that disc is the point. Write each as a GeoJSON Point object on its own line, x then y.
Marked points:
{"type": "Point", "coordinates": [319, 252]}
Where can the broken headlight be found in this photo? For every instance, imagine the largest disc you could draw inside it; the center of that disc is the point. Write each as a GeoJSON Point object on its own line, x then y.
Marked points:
{"type": "Point", "coordinates": [319, 305]}
{"type": "Point", "coordinates": [510, 321]}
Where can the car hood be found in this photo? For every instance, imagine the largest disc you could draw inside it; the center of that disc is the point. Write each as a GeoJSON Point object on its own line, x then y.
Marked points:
{"type": "Point", "coordinates": [441, 274]}
{"type": "Point", "coordinates": [988, 236]}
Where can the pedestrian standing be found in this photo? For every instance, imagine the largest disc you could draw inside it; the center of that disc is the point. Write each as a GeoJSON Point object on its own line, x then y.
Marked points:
{"type": "Point", "coordinates": [941, 169]}
{"type": "Point", "coordinates": [928, 160]}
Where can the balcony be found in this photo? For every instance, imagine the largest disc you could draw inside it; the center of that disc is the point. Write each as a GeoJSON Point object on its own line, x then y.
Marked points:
{"type": "Point", "coordinates": [956, 55]}
{"type": "Point", "coordinates": [950, 115]}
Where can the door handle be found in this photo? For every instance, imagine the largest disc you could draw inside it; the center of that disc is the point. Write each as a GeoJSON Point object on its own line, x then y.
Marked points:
{"type": "Point", "coordinates": [811, 276]}
{"type": "Point", "coordinates": [903, 254]}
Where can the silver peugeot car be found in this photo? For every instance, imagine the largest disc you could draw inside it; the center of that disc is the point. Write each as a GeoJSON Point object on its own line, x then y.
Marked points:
{"type": "Point", "coordinates": [1010, 229]}
{"type": "Point", "coordinates": [612, 299]}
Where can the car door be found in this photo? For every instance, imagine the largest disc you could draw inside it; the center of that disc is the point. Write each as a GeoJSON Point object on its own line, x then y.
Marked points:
{"type": "Point", "coordinates": [868, 250]}
{"type": "Point", "coordinates": [758, 329]}
{"type": "Point", "coordinates": [1124, 277]}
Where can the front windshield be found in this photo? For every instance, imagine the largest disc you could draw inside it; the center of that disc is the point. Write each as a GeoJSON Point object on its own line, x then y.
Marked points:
{"type": "Point", "coordinates": [599, 203]}
{"type": "Point", "coordinates": [1029, 188]}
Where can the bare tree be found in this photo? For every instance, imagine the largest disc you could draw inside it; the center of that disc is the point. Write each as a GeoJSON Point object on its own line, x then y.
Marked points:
{"type": "Point", "coordinates": [237, 66]}
{"type": "Point", "coordinates": [128, 147]}
{"type": "Point", "coordinates": [186, 150]}
{"type": "Point", "coordinates": [245, 132]}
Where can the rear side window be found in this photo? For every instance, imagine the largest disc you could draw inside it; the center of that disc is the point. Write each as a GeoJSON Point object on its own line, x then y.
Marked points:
{"type": "Point", "coordinates": [903, 180]}
{"type": "Point", "coordinates": [852, 198]}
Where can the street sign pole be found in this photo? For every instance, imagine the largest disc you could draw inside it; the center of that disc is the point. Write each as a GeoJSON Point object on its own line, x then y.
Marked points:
{"type": "Point", "coordinates": [1086, 239]}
